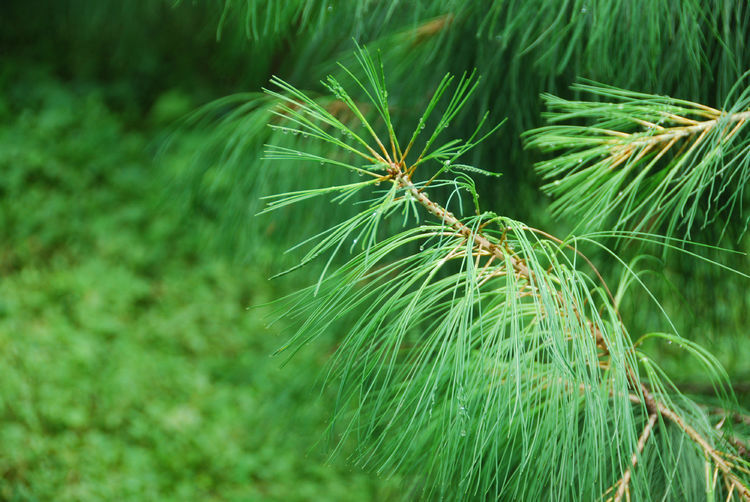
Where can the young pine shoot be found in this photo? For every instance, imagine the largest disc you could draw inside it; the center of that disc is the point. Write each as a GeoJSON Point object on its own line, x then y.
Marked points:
{"type": "Point", "coordinates": [637, 161]}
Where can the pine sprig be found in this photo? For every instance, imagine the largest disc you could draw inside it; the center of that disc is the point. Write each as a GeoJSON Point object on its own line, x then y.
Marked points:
{"type": "Point", "coordinates": [648, 159]}
{"type": "Point", "coordinates": [487, 364]}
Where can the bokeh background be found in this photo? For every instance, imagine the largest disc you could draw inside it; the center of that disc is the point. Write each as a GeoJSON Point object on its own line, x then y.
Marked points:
{"type": "Point", "coordinates": [135, 333]}
{"type": "Point", "coordinates": [131, 366]}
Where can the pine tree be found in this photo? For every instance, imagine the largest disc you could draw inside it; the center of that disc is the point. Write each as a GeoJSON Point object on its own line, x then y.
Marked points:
{"type": "Point", "coordinates": [481, 357]}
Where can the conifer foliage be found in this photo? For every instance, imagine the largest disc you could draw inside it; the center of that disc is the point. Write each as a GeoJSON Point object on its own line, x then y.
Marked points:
{"type": "Point", "coordinates": [480, 357]}
{"type": "Point", "coordinates": [647, 158]}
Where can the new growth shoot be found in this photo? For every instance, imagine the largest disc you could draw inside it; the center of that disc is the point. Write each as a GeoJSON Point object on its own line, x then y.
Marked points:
{"type": "Point", "coordinates": [644, 158]}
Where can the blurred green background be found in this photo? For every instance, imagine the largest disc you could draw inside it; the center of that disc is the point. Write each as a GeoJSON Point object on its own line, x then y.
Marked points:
{"type": "Point", "coordinates": [133, 367]}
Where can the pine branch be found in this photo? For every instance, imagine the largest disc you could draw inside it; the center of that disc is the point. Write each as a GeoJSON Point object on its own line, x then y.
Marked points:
{"type": "Point", "coordinates": [523, 47]}
{"type": "Point", "coordinates": [645, 159]}
{"type": "Point", "coordinates": [484, 316]}
{"type": "Point", "coordinates": [646, 398]}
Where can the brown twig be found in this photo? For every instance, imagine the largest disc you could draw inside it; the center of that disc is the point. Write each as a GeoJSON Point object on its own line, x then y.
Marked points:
{"type": "Point", "coordinates": [622, 152]}
{"type": "Point", "coordinates": [720, 462]}
{"type": "Point", "coordinates": [673, 133]}
{"type": "Point", "coordinates": [624, 482]}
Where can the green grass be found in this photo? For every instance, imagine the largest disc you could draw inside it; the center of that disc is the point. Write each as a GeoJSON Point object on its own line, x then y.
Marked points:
{"type": "Point", "coordinates": [131, 366]}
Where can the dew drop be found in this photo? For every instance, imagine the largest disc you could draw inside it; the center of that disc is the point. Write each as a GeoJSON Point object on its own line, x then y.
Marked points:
{"type": "Point", "coordinates": [580, 160]}
{"type": "Point", "coordinates": [447, 162]}
{"type": "Point", "coordinates": [463, 433]}
{"type": "Point", "coordinates": [354, 241]}
{"type": "Point", "coordinates": [421, 248]}
{"type": "Point", "coordinates": [669, 342]}
{"type": "Point", "coordinates": [329, 8]}
{"type": "Point", "coordinates": [557, 182]}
